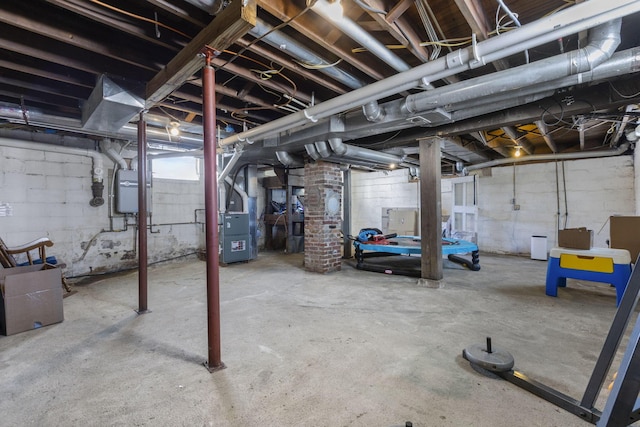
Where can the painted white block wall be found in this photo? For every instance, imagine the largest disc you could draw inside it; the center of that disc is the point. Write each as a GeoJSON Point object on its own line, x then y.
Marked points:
{"type": "Point", "coordinates": [596, 189]}
{"type": "Point", "coordinates": [372, 191]}
{"type": "Point", "coordinates": [49, 194]}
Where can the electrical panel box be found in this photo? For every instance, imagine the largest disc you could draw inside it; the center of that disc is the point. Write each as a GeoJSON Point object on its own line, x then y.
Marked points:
{"type": "Point", "coordinates": [127, 191]}
{"type": "Point", "coordinates": [236, 239]}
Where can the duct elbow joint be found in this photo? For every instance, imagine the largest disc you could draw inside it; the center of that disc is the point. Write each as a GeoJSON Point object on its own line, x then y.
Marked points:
{"type": "Point", "coordinates": [373, 112]}
{"type": "Point", "coordinates": [338, 146]}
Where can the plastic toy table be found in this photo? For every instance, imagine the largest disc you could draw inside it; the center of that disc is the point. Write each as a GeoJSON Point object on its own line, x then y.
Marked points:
{"type": "Point", "coordinates": [605, 265]}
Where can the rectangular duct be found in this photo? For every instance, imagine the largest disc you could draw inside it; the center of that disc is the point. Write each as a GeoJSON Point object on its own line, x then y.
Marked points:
{"type": "Point", "coordinates": [434, 117]}
{"type": "Point", "coordinates": [110, 106]}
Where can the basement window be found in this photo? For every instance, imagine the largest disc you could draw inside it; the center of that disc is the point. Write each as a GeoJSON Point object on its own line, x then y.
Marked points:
{"type": "Point", "coordinates": [177, 168]}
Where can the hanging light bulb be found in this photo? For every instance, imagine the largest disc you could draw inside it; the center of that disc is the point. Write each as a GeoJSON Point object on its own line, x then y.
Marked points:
{"type": "Point", "coordinates": [174, 128]}
{"type": "Point", "coordinates": [518, 153]}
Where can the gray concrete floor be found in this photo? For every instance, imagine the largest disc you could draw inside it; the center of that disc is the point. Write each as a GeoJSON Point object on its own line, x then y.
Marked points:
{"type": "Point", "coordinates": [350, 348]}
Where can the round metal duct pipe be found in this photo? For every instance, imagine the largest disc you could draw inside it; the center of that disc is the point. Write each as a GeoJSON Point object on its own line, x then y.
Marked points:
{"type": "Point", "coordinates": [547, 157]}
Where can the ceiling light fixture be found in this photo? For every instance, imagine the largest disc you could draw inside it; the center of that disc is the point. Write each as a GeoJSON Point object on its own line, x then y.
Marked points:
{"type": "Point", "coordinates": [174, 128]}
{"type": "Point", "coordinates": [518, 153]}
{"type": "Point", "coordinates": [331, 9]}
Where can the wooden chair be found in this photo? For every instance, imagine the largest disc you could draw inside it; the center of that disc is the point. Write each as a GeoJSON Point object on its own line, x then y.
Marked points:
{"type": "Point", "coordinates": [8, 261]}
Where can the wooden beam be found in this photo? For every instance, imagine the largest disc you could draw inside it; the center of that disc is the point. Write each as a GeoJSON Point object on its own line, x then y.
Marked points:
{"type": "Point", "coordinates": [52, 32]}
{"type": "Point", "coordinates": [113, 19]}
{"type": "Point", "coordinates": [479, 23]}
{"type": "Point", "coordinates": [307, 24]}
{"type": "Point", "coordinates": [40, 72]}
{"type": "Point", "coordinates": [430, 210]}
{"type": "Point", "coordinates": [475, 17]}
{"type": "Point", "coordinates": [228, 26]}
{"type": "Point", "coordinates": [397, 10]}
{"type": "Point", "coordinates": [293, 66]}
{"type": "Point", "coordinates": [396, 25]}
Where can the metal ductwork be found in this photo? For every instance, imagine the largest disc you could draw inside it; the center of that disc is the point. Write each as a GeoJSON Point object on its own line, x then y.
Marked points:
{"type": "Point", "coordinates": [359, 35]}
{"type": "Point", "coordinates": [34, 117]}
{"type": "Point", "coordinates": [578, 18]}
{"type": "Point", "coordinates": [110, 106]}
{"type": "Point", "coordinates": [107, 147]}
{"type": "Point", "coordinates": [322, 148]}
{"type": "Point", "coordinates": [358, 153]}
{"type": "Point", "coordinates": [289, 160]}
{"type": "Point", "coordinates": [312, 151]}
{"type": "Point", "coordinates": [604, 39]}
{"type": "Point", "coordinates": [230, 165]}
{"type": "Point", "coordinates": [477, 103]}
{"type": "Point", "coordinates": [373, 112]}
{"type": "Point", "coordinates": [281, 41]}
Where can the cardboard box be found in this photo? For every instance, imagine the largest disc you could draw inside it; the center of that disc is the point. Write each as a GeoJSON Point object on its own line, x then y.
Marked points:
{"type": "Point", "coordinates": [575, 238]}
{"type": "Point", "coordinates": [31, 298]}
{"type": "Point", "coordinates": [625, 234]}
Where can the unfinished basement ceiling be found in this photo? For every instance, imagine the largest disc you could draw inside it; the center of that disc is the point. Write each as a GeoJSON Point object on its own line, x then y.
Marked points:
{"type": "Point", "coordinates": [53, 53]}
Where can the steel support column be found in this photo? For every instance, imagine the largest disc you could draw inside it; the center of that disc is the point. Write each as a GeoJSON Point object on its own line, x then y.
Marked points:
{"type": "Point", "coordinates": [142, 215]}
{"type": "Point", "coordinates": [214, 361]}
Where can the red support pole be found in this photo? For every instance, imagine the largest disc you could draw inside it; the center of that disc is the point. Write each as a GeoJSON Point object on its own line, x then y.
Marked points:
{"type": "Point", "coordinates": [214, 362]}
{"type": "Point", "coordinates": [142, 215]}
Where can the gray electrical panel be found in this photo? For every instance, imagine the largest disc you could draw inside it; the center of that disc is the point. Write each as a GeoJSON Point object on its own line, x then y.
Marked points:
{"type": "Point", "coordinates": [236, 240]}
{"type": "Point", "coordinates": [127, 191]}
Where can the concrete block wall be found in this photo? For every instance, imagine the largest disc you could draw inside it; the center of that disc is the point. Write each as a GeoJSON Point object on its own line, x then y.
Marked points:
{"type": "Point", "coordinates": [49, 195]}
{"type": "Point", "coordinates": [596, 189]}
{"type": "Point", "coordinates": [372, 191]}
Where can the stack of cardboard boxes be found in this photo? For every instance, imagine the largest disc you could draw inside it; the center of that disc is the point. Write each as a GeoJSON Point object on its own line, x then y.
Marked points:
{"type": "Point", "coordinates": [624, 232]}
{"type": "Point", "coordinates": [31, 297]}
{"type": "Point", "coordinates": [575, 238]}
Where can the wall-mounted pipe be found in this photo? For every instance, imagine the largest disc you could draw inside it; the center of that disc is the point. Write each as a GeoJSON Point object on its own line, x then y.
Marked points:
{"type": "Point", "coordinates": [108, 148]}
{"type": "Point", "coordinates": [549, 157]}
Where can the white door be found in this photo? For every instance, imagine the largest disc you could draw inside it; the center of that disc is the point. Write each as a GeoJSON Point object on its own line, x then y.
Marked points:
{"type": "Point", "coordinates": [464, 209]}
